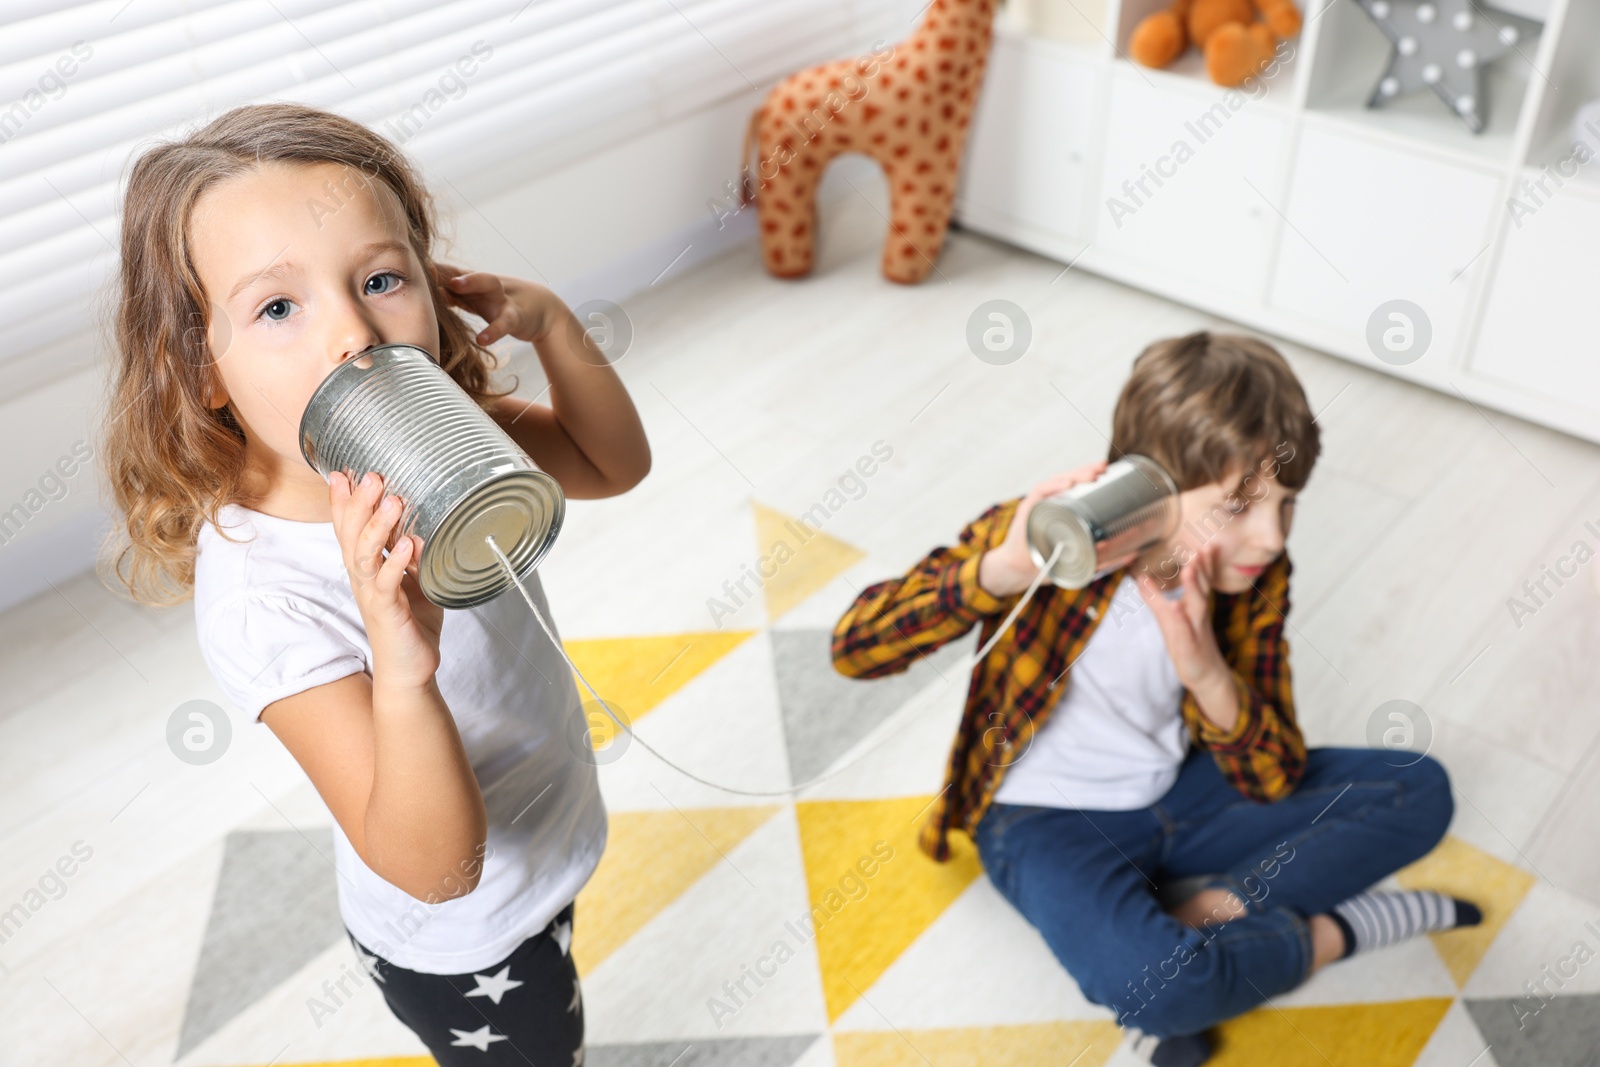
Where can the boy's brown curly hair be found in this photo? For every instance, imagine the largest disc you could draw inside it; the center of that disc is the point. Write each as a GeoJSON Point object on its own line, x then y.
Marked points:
{"type": "Point", "coordinates": [1212, 406]}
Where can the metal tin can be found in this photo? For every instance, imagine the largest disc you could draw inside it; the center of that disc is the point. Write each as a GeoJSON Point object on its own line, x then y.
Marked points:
{"type": "Point", "coordinates": [1106, 523]}
{"type": "Point", "coordinates": [393, 410]}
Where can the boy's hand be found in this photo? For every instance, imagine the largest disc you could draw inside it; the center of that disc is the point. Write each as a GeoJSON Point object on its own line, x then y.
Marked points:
{"type": "Point", "coordinates": [1186, 623]}
{"type": "Point", "coordinates": [1009, 568]}
{"type": "Point", "coordinates": [511, 306]}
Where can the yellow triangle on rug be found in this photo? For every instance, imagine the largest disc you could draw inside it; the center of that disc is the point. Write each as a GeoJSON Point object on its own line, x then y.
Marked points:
{"type": "Point", "coordinates": [1081, 1044]}
{"type": "Point", "coordinates": [651, 858]}
{"type": "Point", "coordinates": [872, 891]}
{"type": "Point", "coordinates": [1460, 870]}
{"type": "Point", "coordinates": [1345, 1035]}
{"type": "Point", "coordinates": [802, 559]}
{"type": "Point", "coordinates": [635, 674]}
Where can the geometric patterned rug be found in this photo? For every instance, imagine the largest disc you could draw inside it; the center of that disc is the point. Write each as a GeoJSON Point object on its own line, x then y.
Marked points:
{"type": "Point", "coordinates": [811, 931]}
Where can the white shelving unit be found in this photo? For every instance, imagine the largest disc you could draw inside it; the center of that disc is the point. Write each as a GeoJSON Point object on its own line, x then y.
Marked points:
{"type": "Point", "coordinates": [1297, 210]}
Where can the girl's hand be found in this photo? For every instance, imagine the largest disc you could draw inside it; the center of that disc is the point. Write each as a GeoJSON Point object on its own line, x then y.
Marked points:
{"type": "Point", "coordinates": [1186, 623]}
{"type": "Point", "coordinates": [1009, 568]}
{"type": "Point", "coordinates": [511, 306]}
{"type": "Point", "coordinates": [402, 625]}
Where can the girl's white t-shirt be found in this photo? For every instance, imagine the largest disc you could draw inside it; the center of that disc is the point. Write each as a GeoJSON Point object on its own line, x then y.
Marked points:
{"type": "Point", "coordinates": [275, 616]}
{"type": "Point", "coordinates": [1116, 739]}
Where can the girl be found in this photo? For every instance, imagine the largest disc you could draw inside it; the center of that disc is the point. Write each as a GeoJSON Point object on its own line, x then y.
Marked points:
{"type": "Point", "coordinates": [257, 255]}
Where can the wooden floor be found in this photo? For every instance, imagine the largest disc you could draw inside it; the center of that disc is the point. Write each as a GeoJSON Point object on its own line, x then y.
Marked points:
{"type": "Point", "coordinates": [1424, 518]}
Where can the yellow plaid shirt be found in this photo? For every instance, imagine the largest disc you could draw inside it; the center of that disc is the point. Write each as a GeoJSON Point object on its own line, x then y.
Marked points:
{"type": "Point", "coordinates": [1012, 692]}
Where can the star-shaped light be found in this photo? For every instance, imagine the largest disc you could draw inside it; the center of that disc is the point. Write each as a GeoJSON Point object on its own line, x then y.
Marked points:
{"type": "Point", "coordinates": [479, 1039]}
{"type": "Point", "coordinates": [1444, 45]}
{"type": "Point", "coordinates": [496, 987]}
{"type": "Point", "coordinates": [563, 935]}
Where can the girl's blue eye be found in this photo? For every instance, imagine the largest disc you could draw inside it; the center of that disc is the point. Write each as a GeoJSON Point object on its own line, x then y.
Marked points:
{"type": "Point", "coordinates": [376, 277]}
{"type": "Point", "coordinates": [284, 305]}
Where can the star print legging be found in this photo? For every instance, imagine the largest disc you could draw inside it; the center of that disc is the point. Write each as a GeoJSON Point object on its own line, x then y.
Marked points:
{"type": "Point", "coordinates": [526, 1009]}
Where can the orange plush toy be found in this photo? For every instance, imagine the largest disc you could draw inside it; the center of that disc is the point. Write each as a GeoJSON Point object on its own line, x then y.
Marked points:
{"type": "Point", "coordinates": [1235, 44]}
{"type": "Point", "coordinates": [906, 106]}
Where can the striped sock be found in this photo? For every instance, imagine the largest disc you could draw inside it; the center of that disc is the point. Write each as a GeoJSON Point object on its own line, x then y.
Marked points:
{"type": "Point", "coordinates": [1373, 920]}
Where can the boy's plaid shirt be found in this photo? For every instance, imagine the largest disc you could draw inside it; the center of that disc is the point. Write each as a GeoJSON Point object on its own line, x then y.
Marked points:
{"type": "Point", "coordinates": [1012, 692]}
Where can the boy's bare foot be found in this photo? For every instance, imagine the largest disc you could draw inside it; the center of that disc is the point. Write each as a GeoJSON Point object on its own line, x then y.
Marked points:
{"type": "Point", "coordinates": [1218, 906]}
{"type": "Point", "coordinates": [1327, 942]}
{"type": "Point", "coordinates": [1209, 905]}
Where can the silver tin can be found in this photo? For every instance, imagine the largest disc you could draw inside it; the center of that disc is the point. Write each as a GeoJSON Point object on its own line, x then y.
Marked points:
{"type": "Point", "coordinates": [393, 410]}
{"type": "Point", "coordinates": [1104, 524]}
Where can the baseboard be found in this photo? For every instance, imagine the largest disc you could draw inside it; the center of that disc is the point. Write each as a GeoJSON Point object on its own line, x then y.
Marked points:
{"type": "Point", "coordinates": [28, 564]}
{"type": "Point", "coordinates": [662, 259]}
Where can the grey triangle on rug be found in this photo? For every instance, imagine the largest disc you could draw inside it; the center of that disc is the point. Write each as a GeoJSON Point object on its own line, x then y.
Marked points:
{"type": "Point", "coordinates": [720, 1052]}
{"type": "Point", "coordinates": [825, 713]}
{"type": "Point", "coordinates": [1541, 1031]}
{"type": "Point", "coordinates": [275, 907]}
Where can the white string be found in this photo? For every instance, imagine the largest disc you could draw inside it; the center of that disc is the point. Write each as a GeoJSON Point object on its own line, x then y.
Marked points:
{"type": "Point", "coordinates": [866, 751]}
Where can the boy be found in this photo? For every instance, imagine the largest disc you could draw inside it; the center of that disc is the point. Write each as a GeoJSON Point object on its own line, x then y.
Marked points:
{"type": "Point", "coordinates": [1096, 764]}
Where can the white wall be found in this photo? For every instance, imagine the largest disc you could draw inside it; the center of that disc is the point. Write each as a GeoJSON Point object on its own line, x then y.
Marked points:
{"type": "Point", "coordinates": [604, 227]}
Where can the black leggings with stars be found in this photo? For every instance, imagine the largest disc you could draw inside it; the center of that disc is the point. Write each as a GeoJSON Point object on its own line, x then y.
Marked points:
{"type": "Point", "coordinates": [526, 1010]}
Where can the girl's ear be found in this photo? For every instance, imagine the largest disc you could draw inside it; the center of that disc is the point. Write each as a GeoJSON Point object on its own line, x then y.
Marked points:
{"type": "Point", "coordinates": [216, 393]}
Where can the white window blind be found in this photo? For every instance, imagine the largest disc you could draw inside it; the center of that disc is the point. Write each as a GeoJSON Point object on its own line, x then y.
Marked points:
{"type": "Point", "coordinates": [85, 86]}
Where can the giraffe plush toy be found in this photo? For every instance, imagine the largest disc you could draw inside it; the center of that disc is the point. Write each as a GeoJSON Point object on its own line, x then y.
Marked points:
{"type": "Point", "coordinates": [906, 106]}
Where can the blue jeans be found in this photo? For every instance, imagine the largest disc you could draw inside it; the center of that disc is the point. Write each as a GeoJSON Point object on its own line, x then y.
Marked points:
{"type": "Point", "coordinates": [1087, 879]}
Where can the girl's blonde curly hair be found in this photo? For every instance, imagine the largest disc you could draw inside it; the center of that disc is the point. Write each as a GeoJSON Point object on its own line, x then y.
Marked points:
{"type": "Point", "coordinates": [171, 460]}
